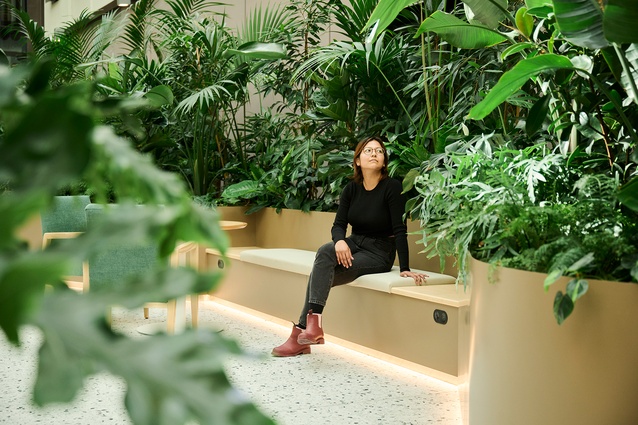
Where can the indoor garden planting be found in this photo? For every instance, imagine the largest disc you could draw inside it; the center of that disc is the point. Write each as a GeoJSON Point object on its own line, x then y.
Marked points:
{"type": "Point", "coordinates": [511, 124]}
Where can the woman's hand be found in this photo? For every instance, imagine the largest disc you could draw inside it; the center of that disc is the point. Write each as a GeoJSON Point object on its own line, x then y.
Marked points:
{"type": "Point", "coordinates": [419, 278]}
{"type": "Point", "coordinates": [344, 256]}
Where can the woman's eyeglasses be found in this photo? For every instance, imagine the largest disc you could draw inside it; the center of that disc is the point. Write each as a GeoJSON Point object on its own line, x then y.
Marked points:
{"type": "Point", "coordinates": [378, 151]}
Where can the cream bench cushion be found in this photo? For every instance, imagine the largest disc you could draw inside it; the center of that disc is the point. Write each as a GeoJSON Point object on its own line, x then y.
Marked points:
{"type": "Point", "coordinates": [386, 282]}
{"type": "Point", "coordinates": [300, 261]}
{"type": "Point", "coordinates": [287, 259]}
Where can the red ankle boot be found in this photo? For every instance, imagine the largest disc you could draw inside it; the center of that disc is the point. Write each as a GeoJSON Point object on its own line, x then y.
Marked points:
{"type": "Point", "coordinates": [313, 334]}
{"type": "Point", "coordinates": [291, 347]}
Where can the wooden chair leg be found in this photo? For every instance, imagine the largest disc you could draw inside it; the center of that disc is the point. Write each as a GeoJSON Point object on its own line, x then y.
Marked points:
{"type": "Point", "coordinates": [170, 316]}
{"type": "Point", "coordinates": [195, 310]}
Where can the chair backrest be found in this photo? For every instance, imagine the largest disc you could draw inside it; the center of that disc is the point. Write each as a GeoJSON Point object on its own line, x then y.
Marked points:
{"type": "Point", "coordinates": [65, 215]}
{"type": "Point", "coordinates": [117, 262]}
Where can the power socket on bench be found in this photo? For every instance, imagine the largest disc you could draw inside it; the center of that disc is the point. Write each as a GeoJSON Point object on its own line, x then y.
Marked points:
{"type": "Point", "coordinates": [440, 317]}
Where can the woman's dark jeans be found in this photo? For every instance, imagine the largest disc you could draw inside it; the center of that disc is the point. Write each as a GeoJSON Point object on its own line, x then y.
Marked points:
{"type": "Point", "coordinates": [371, 255]}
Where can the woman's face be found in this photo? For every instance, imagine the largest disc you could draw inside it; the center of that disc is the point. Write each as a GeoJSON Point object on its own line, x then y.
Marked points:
{"type": "Point", "coordinates": [372, 156]}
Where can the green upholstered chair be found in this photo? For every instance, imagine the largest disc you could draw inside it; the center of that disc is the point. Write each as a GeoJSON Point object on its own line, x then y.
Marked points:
{"type": "Point", "coordinates": [65, 219]}
{"type": "Point", "coordinates": [120, 262]}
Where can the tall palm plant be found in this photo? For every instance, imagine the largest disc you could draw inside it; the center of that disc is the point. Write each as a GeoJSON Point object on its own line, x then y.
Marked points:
{"type": "Point", "coordinates": [79, 46]}
{"type": "Point", "coordinates": [216, 89]}
{"type": "Point", "coordinates": [361, 85]}
{"type": "Point", "coordinates": [181, 57]}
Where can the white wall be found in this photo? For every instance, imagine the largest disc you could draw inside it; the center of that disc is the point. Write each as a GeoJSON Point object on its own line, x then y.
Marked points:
{"type": "Point", "coordinates": [62, 11]}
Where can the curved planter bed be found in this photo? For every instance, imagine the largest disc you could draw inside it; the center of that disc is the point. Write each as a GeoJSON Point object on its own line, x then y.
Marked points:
{"type": "Point", "coordinates": [525, 369]}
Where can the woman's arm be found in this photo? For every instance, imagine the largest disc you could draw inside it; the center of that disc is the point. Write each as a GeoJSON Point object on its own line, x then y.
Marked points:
{"type": "Point", "coordinates": [340, 224]}
{"type": "Point", "coordinates": [396, 205]}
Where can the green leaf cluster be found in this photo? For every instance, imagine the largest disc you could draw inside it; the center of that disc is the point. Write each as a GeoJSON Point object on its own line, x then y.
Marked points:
{"type": "Point", "coordinates": [54, 137]}
{"type": "Point", "coordinates": [290, 168]}
{"type": "Point", "coordinates": [528, 209]}
{"type": "Point", "coordinates": [516, 180]}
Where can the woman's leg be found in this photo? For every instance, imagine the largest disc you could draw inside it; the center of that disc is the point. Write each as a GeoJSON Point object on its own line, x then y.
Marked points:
{"type": "Point", "coordinates": [320, 281]}
{"type": "Point", "coordinates": [370, 256]}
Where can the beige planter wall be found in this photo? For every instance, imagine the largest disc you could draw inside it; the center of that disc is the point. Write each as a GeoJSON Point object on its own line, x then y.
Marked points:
{"type": "Point", "coordinates": [525, 369]}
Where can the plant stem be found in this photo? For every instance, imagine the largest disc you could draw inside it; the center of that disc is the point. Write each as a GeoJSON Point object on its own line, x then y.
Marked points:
{"type": "Point", "coordinates": [395, 94]}
{"type": "Point", "coordinates": [605, 131]}
{"type": "Point", "coordinates": [426, 90]}
{"type": "Point", "coordinates": [619, 108]}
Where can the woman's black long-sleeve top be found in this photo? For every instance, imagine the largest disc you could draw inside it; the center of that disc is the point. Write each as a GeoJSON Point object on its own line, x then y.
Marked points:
{"type": "Point", "coordinates": [376, 213]}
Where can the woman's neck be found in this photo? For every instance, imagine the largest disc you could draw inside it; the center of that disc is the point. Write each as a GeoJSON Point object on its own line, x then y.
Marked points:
{"type": "Point", "coordinates": [371, 179]}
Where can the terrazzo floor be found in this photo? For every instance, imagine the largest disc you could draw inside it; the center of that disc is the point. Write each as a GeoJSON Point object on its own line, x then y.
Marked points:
{"type": "Point", "coordinates": [333, 386]}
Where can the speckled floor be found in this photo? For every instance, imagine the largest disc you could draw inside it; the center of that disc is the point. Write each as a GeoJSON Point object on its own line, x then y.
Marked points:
{"type": "Point", "coordinates": [333, 386]}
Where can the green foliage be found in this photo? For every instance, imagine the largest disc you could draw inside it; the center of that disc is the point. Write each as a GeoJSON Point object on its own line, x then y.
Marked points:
{"type": "Point", "coordinates": [289, 168]}
{"type": "Point", "coordinates": [528, 209]}
{"type": "Point", "coordinates": [53, 138]}
{"type": "Point", "coordinates": [299, 26]}
{"type": "Point", "coordinates": [505, 116]}
{"type": "Point", "coordinates": [513, 80]}
{"type": "Point", "coordinates": [202, 67]}
{"type": "Point", "coordinates": [538, 190]}
{"type": "Point", "coordinates": [472, 36]}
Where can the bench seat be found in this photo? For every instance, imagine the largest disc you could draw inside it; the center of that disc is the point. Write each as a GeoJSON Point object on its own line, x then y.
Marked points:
{"type": "Point", "coordinates": [272, 281]}
{"type": "Point", "coordinates": [449, 295]}
{"type": "Point", "coordinates": [300, 261]}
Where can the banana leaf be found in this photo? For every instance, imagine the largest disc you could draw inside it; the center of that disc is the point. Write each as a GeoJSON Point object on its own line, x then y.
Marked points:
{"type": "Point", "coordinates": [160, 95]}
{"type": "Point", "coordinates": [489, 12]}
{"type": "Point", "coordinates": [629, 78]}
{"type": "Point", "coordinates": [459, 33]}
{"type": "Point", "coordinates": [628, 194]}
{"type": "Point", "coordinates": [619, 22]}
{"type": "Point", "coordinates": [259, 50]}
{"type": "Point", "coordinates": [581, 22]}
{"type": "Point", "coordinates": [386, 12]}
{"type": "Point", "coordinates": [514, 79]}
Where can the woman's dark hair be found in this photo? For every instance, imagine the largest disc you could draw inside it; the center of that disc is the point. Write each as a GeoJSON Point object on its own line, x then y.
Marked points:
{"type": "Point", "coordinates": [358, 176]}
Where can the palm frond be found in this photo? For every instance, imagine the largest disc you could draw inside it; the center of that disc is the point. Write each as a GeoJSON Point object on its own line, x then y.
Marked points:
{"type": "Point", "coordinates": [137, 33]}
{"type": "Point", "coordinates": [184, 9]}
{"type": "Point", "coordinates": [203, 99]}
{"type": "Point", "coordinates": [325, 57]}
{"type": "Point", "coordinates": [110, 28]}
{"type": "Point", "coordinates": [265, 24]}
{"type": "Point", "coordinates": [32, 31]}
{"type": "Point", "coordinates": [73, 45]}
{"type": "Point", "coordinates": [181, 12]}
{"type": "Point", "coordinates": [352, 20]}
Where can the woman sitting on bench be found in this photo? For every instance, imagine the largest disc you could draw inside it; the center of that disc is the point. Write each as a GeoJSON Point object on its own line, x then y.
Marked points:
{"type": "Point", "coordinates": [372, 203]}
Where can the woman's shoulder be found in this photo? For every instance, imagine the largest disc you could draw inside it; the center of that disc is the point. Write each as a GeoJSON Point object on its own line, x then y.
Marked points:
{"type": "Point", "coordinates": [393, 184]}
{"type": "Point", "coordinates": [351, 185]}
{"type": "Point", "coordinates": [349, 188]}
